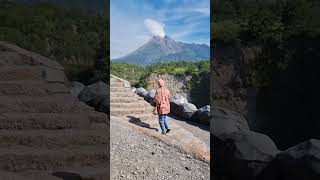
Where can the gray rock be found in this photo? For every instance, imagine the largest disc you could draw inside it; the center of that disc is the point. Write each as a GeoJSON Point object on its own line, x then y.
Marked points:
{"type": "Point", "coordinates": [152, 93]}
{"type": "Point", "coordinates": [242, 153]}
{"type": "Point", "coordinates": [227, 124]}
{"type": "Point", "coordinates": [134, 90]}
{"type": "Point", "coordinates": [202, 115]}
{"type": "Point", "coordinates": [298, 162]}
{"type": "Point", "coordinates": [76, 88]}
{"type": "Point", "coordinates": [188, 110]}
{"type": "Point", "coordinates": [176, 102]}
{"type": "Point", "coordinates": [255, 146]}
{"type": "Point", "coordinates": [96, 95]}
{"type": "Point", "coordinates": [142, 92]}
{"type": "Point", "coordinates": [244, 158]}
{"type": "Point", "coordinates": [150, 97]}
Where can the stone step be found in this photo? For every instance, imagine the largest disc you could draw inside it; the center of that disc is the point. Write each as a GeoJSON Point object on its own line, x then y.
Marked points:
{"type": "Point", "coordinates": [21, 158]}
{"type": "Point", "coordinates": [119, 89]}
{"type": "Point", "coordinates": [50, 121]}
{"type": "Point", "coordinates": [117, 84]}
{"type": "Point", "coordinates": [129, 111]}
{"type": "Point", "coordinates": [114, 80]}
{"type": "Point", "coordinates": [14, 59]}
{"type": "Point", "coordinates": [48, 104]}
{"type": "Point", "coordinates": [31, 88]}
{"type": "Point", "coordinates": [140, 104]}
{"type": "Point", "coordinates": [123, 94]}
{"type": "Point", "coordinates": [8, 73]}
{"type": "Point", "coordinates": [49, 139]}
{"type": "Point", "coordinates": [125, 99]}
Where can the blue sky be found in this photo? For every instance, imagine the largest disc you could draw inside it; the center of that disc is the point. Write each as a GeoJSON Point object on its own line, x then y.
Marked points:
{"type": "Point", "coordinates": [134, 22]}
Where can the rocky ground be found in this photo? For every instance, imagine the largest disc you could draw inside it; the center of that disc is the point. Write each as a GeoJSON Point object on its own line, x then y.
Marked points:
{"type": "Point", "coordinates": [144, 157]}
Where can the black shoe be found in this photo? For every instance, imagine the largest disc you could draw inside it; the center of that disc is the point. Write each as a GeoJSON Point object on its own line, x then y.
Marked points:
{"type": "Point", "coordinates": [164, 133]}
{"type": "Point", "coordinates": [168, 130]}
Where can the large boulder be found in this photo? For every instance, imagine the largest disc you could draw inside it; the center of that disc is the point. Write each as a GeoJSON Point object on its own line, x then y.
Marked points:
{"type": "Point", "coordinates": [202, 115]}
{"type": "Point", "coordinates": [152, 93]}
{"type": "Point", "coordinates": [180, 107]}
{"type": "Point", "coordinates": [142, 92]}
{"type": "Point", "coordinates": [245, 157]}
{"type": "Point", "coordinates": [76, 88]}
{"type": "Point", "coordinates": [227, 124]}
{"type": "Point", "coordinates": [96, 95]}
{"type": "Point", "coordinates": [298, 162]}
{"type": "Point", "coordinates": [188, 110]}
{"type": "Point", "coordinates": [176, 102]}
{"type": "Point", "coordinates": [150, 96]}
{"type": "Point", "coordinates": [240, 153]}
{"type": "Point", "coordinates": [255, 146]}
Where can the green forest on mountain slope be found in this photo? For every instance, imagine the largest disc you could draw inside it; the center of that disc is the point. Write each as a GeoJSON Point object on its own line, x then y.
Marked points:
{"type": "Point", "coordinates": [199, 84]}
{"type": "Point", "coordinates": [279, 27]}
{"type": "Point", "coordinates": [75, 38]}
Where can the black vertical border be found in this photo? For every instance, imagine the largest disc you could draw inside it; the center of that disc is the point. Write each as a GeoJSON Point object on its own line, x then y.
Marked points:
{"type": "Point", "coordinates": [211, 87]}
{"type": "Point", "coordinates": [106, 4]}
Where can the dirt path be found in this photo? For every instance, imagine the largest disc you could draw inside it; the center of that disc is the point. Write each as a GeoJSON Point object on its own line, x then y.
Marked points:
{"type": "Point", "coordinates": [135, 155]}
{"type": "Point", "coordinates": [139, 151]}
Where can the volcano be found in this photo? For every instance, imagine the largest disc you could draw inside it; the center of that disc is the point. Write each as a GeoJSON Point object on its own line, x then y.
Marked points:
{"type": "Point", "coordinates": [164, 49]}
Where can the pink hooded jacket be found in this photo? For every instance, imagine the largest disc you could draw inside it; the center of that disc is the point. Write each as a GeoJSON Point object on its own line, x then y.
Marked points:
{"type": "Point", "coordinates": [162, 98]}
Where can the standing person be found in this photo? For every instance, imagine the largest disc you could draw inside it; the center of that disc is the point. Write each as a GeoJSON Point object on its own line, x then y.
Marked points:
{"type": "Point", "coordinates": [163, 105]}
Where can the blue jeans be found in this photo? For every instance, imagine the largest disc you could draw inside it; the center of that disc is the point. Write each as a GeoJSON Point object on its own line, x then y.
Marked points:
{"type": "Point", "coordinates": [163, 121]}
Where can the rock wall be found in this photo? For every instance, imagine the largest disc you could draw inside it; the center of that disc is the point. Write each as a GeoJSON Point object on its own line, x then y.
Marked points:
{"type": "Point", "coordinates": [229, 82]}
{"type": "Point", "coordinates": [177, 84]}
{"type": "Point", "coordinates": [269, 134]}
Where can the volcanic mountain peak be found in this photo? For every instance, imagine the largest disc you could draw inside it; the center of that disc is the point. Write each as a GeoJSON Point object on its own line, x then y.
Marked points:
{"type": "Point", "coordinates": [162, 49]}
{"type": "Point", "coordinates": [165, 45]}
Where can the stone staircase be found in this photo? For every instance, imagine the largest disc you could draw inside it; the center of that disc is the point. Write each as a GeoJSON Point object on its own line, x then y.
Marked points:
{"type": "Point", "coordinates": [44, 132]}
{"type": "Point", "coordinates": [132, 110]}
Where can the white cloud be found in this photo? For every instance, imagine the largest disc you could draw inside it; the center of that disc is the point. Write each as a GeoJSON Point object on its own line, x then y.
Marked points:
{"type": "Point", "coordinates": [134, 25]}
{"type": "Point", "coordinates": [204, 11]}
{"type": "Point", "coordinates": [126, 34]}
{"type": "Point", "coordinates": [154, 27]}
